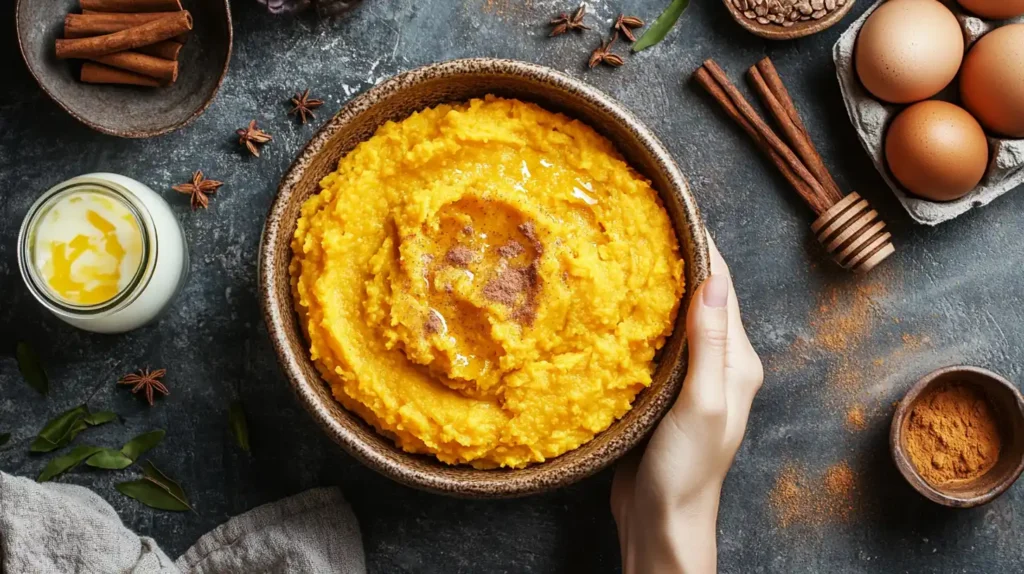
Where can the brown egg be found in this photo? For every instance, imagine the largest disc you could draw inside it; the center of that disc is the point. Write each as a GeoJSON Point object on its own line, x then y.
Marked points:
{"type": "Point", "coordinates": [995, 9]}
{"type": "Point", "coordinates": [992, 80]}
{"type": "Point", "coordinates": [908, 50]}
{"type": "Point", "coordinates": [936, 150]}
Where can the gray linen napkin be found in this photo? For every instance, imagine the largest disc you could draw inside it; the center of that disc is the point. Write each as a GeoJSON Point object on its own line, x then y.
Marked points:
{"type": "Point", "coordinates": [69, 529]}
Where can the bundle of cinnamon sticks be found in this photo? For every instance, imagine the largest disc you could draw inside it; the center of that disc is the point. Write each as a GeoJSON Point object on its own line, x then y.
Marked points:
{"type": "Point", "coordinates": [133, 42]}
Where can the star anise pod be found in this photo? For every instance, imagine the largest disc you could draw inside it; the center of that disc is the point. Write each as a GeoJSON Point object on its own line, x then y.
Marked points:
{"type": "Point", "coordinates": [603, 54]}
{"type": "Point", "coordinates": [304, 105]}
{"type": "Point", "coordinates": [146, 381]}
{"type": "Point", "coordinates": [199, 188]}
{"type": "Point", "coordinates": [625, 24]}
{"type": "Point", "coordinates": [251, 136]}
{"type": "Point", "coordinates": [563, 22]}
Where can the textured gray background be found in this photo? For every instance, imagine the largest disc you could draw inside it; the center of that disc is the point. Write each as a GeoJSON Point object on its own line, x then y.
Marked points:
{"type": "Point", "coordinates": [950, 295]}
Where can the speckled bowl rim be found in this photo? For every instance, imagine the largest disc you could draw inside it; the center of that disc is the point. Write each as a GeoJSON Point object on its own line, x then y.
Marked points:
{"type": "Point", "coordinates": [133, 134]}
{"type": "Point", "coordinates": [907, 469]}
{"type": "Point", "coordinates": [798, 30]}
{"type": "Point", "coordinates": [504, 483]}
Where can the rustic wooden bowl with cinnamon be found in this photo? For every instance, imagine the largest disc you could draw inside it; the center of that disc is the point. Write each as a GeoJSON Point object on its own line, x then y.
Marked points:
{"type": "Point", "coordinates": [966, 408]}
{"type": "Point", "coordinates": [127, 68]}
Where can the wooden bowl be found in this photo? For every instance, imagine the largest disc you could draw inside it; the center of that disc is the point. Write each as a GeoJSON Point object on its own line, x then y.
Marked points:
{"type": "Point", "coordinates": [128, 111]}
{"type": "Point", "coordinates": [772, 31]}
{"type": "Point", "coordinates": [1008, 406]}
{"type": "Point", "coordinates": [396, 99]}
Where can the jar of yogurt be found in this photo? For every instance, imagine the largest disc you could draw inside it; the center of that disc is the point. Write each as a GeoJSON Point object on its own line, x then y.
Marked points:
{"type": "Point", "coordinates": [103, 252]}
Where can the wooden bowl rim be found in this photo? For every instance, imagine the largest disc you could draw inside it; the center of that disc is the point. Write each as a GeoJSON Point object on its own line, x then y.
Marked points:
{"type": "Point", "coordinates": [798, 30]}
{"type": "Point", "coordinates": [503, 483]}
{"type": "Point", "coordinates": [907, 469]}
{"type": "Point", "coordinates": [125, 133]}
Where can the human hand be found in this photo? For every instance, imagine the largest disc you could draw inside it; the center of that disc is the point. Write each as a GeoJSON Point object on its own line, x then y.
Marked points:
{"type": "Point", "coordinates": [665, 500]}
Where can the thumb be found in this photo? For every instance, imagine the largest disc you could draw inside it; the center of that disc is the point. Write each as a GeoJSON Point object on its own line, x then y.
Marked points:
{"type": "Point", "coordinates": [707, 329]}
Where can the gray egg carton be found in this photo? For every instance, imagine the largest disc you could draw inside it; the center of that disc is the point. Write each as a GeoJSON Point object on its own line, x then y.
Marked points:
{"type": "Point", "coordinates": [871, 117]}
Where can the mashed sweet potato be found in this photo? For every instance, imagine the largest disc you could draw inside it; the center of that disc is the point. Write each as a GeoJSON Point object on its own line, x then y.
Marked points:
{"type": "Point", "coordinates": [487, 282]}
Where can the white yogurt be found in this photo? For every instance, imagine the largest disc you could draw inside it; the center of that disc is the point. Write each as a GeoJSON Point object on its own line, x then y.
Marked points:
{"type": "Point", "coordinates": [103, 252]}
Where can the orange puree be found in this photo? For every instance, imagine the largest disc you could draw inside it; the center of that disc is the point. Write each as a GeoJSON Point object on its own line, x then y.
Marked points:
{"type": "Point", "coordinates": [487, 282]}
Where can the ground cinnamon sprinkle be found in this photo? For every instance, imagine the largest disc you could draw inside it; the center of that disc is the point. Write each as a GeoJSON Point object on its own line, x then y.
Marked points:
{"type": "Point", "coordinates": [839, 480]}
{"type": "Point", "coordinates": [787, 498]}
{"type": "Point", "coordinates": [508, 7]}
{"type": "Point", "coordinates": [951, 434]}
{"type": "Point", "coordinates": [845, 321]}
{"type": "Point", "coordinates": [796, 499]}
{"type": "Point", "coordinates": [511, 250]}
{"type": "Point", "coordinates": [855, 418]}
{"type": "Point", "coordinates": [460, 256]}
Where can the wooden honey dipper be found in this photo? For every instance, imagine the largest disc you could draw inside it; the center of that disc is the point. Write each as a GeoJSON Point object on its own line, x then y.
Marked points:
{"type": "Point", "coordinates": [851, 232]}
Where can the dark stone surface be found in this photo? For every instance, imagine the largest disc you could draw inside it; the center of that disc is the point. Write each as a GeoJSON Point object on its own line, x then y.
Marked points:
{"type": "Point", "coordinates": [829, 341]}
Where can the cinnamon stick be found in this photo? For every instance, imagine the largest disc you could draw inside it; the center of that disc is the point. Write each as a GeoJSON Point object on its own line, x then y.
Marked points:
{"type": "Point", "coordinates": [93, 73]}
{"type": "Point", "coordinates": [164, 70]}
{"type": "Point", "coordinates": [820, 198]}
{"type": "Point", "coordinates": [168, 49]}
{"type": "Point", "coordinates": [776, 98]}
{"type": "Point", "coordinates": [131, 5]}
{"type": "Point", "coordinates": [708, 83]}
{"type": "Point", "coordinates": [86, 25]}
{"type": "Point", "coordinates": [142, 35]}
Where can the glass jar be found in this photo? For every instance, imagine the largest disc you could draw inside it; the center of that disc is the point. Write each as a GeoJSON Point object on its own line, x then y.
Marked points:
{"type": "Point", "coordinates": [103, 252]}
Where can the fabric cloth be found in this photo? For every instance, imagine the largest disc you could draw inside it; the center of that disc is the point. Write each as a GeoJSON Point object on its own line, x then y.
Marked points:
{"type": "Point", "coordinates": [871, 117]}
{"type": "Point", "coordinates": [63, 528]}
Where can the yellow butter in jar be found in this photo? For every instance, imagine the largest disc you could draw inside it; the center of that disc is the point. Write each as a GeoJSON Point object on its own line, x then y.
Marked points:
{"type": "Point", "coordinates": [103, 252]}
{"type": "Point", "coordinates": [87, 248]}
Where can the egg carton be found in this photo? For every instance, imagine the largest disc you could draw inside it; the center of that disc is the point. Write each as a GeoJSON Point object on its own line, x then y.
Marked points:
{"type": "Point", "coordinates": [871, 117]}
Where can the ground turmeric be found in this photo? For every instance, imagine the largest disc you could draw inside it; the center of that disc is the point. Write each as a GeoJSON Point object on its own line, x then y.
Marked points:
{"type": "Point", "coordinates": [952, 434]}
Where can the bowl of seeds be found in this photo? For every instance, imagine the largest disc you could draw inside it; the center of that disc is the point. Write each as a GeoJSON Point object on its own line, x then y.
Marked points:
{"type": "Point", "coordinates": [787, 19]}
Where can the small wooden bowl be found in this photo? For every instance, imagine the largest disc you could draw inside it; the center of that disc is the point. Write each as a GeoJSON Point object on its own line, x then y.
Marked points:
{"type": "Point", "coordinates": [1008, 406]}
{"type": "Point", "coordinates": [396, 99]}
{"type": "Point", "coordinates": [128, 111]}
{"type": "Point", "coordinates": [777, 32]}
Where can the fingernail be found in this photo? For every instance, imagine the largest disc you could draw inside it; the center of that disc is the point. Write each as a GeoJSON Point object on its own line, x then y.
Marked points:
{"type": "Point", "coordinates": [716, 291]}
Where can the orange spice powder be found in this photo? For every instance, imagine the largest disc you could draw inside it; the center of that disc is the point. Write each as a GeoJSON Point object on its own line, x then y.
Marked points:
{"type": "Point", "coordinates": [508, 7]}
{"type": "Point", "coordinates": [844, 321]}
{"type": "Point", "coordinates": [951, 434]}
{"type": "Point", "coordinates": [855, 418]}
{"type": "Point", "coordinates": [797, 499]}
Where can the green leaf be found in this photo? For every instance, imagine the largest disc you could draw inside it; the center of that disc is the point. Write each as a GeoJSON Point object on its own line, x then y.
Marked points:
{"type": "Point", "coordinates": [109, 459]}
{"type": "Point", "coordinates": [100, 418]}
{"type": "Point", "coordinates": [156, 490]}
{"type": "Point", "coordinates": [660, 28]}
{"type": "Point", "coordinates": [44, 444]}
{"type": "Point", "coordinates": [152, 494]}
{"type": "Point", "coordinates": [61, 430]}
{"type": "Point", "coordinates": [153, 473]}
{"type": "Point", "coordinates": [135, 448]}
{"type": "Point", "coordinates": [5, 438]}
{"type": "Point", "coordinates": [239, 424]}
{"type": "Point", "coordinates": [67, 461]}
{"type": "Point", "coordinates": [31, 368]}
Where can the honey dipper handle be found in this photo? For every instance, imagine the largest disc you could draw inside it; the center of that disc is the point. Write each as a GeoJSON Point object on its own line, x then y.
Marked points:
{"type": "Point", "coordinates": [853, 234]}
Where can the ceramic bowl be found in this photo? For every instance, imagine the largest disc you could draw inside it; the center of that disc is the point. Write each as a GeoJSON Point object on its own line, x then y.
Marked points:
{"type": "Point", "coordinates": [396, 99]}
{"type": "Point", "coordinates": [773, 31]}
{"type": "Point", "coordinates": [1008, 406]}
{"type": "Point", "coordinates": [128, 111]}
